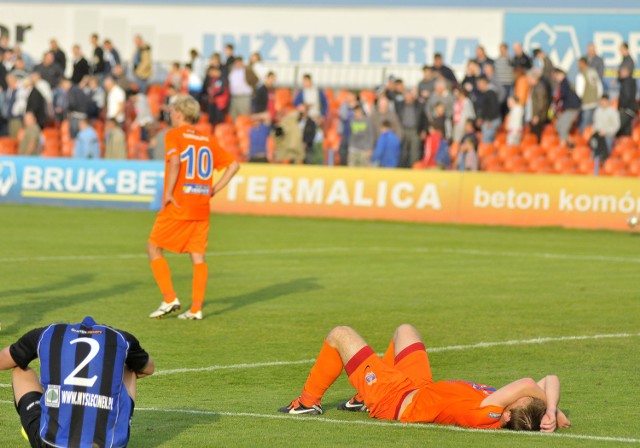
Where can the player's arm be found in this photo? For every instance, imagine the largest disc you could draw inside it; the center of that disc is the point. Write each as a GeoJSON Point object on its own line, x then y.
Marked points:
{"type": "Point", "coordinates": [138, 360]}
{"type": "Point", "coordinates": [554, 417]}
{"type": "Point", "coordinates": [525, 387]}
{"type": "Point", "coordinates": [6, 361]}
{"type": "Point", "coordinates": [173, 170]}
{"type": "Point", "coordinates": [231, 171]}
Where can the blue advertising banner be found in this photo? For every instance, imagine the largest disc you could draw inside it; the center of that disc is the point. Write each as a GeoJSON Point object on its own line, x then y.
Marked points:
{"type": "Point", "coordinates": [81, 183]}
{"type": "Point", "coordinates": [565, 36]}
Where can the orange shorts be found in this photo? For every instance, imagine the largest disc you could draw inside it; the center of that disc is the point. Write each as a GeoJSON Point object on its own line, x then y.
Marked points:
{"type": "Point", "coordinates": [384, 387]}
{"type": "Point", "coordinates": [180, 236]}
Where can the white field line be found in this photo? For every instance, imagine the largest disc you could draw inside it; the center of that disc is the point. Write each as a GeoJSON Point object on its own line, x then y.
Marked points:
{"type": "Point", "coordinates": [308, 419]}
{"type": "Point", "coordinates": [431, 350]}
{"type": "Point", "coordinates": [311, 250]}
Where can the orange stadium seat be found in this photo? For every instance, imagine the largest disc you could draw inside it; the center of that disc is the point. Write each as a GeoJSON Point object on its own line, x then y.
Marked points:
{"type": "Point", "coordinates": [557, 152]}
{"type": "Point", "coordinates": [540, 165]}
{"type": "Point", "coordinates": [486, 149]}
{"type": "Point", "coordinates": [508, 151]}
{"type": "Point", "coordinates": [634, 167]}
{"type": "Point", "coordinates": [629, 154]}
{"type": "Point", "coordinates": [531, 152]}
{"type": "Point", "coordinates": [635, 135]}
{"type": "Point", "coordinates": [563, 165]}
{"type": "Point", "coordinates": [586, 166]}
{"type": "Point", "coordinates": [580, 153]}
{"type": "Point", "coordinates": [8, 146]}
{"type": "Point", "coordinates": [549, 140]}
{"type": "Point", "coordinates": [612, 166]}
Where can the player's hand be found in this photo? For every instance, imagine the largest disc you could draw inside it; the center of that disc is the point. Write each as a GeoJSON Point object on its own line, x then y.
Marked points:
{"type": "Point", "coordinates": [169, 199]}
{"type": "Point", "coordinates": [548, 423]}
{"type": "Point", "coordinates": [563, 421]}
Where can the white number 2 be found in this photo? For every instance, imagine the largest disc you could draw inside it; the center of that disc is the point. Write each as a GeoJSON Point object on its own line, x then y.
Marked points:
{"type": "Point", "coordinates": [72, 379]}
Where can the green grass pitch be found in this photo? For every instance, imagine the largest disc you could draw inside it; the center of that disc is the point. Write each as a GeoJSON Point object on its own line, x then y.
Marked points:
{"type": "Point", "coordinates": [278, 285]}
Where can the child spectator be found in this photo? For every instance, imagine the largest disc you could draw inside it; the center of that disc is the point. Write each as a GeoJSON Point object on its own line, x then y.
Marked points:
{"type": "Point", "coordinates": [361, 140]}
{"type": "Point", "coordinates": [258, 136]}
{"type": "Point", "coordinates": [441, 122]}
{"type": "Point", "coordinates": [462, 111]}
{"type": "Point", "coordinates": [387, 151]}
{"type": "Point", "coordinates": [515, 122]}
{"type": "Point", "coordinates": [468, 157]}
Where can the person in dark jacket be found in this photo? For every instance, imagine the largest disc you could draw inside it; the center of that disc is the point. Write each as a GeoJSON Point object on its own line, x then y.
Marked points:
{"type": "Point", "coordinates": [49, 70]}
{"type": "Point", "coordinates": [489, 110]}
{"type": "Point", "coordinates": [567, 104]}
{"type": "Point", "coordinates": [36, 103]}
{"type": "Point", "coordinates": [627, 104]}
{"type": "Point", "coordinates": [446, 72]}
{"type": "Point", "coordinates": [58, 55]}
{"type": "Point", "coordinates": [264, 97]}
{"type": "Point", "coordinates": [387, 151]}
{"type": "Point", "coordinates": [80, 65]}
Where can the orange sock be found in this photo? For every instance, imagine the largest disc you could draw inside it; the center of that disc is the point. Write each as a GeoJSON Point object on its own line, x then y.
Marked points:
{"type": "Point", "coordinates": [324, 372]}
{"type": "Point", "coordinates": [199, 285]}
{"type": "Point", "coordinates": [162, 274]}
{"type": "Point", "coordinates": [390, 356]}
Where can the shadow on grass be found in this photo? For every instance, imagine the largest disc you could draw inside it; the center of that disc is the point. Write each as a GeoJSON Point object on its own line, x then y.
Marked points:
{"type": "Point", "coordinates": [271, 292]}
{"type": "Point", "coordinates": [155, 428]}
{"type": "Point", "coordinates": [52, 298]}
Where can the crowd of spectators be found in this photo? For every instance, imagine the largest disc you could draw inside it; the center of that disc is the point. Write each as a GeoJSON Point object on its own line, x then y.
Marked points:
{"type": "Point", "coordinates": [103, 101]}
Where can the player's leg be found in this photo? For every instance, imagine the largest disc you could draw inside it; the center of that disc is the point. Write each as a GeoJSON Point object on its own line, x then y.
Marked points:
{"type": "Point", "coordinates": [411, 355]}
{"type": "Point", "coordinates": [198, 287]}
{"type": "Point", "coordinates": [27, 392]}
{"type": "Point", "coordinates": [162, 275]}
{"type": "Point", "coordinates": [340, 346]}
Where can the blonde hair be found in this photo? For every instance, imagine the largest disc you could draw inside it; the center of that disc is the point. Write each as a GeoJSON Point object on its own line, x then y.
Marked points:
{"type": "Point", "coordinates": [528, 417]}
{"type": "Point", "coordinates": [188, 107]}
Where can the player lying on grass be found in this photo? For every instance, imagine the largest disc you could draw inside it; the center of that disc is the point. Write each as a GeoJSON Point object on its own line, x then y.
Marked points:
{"type": "Point", "coordinates": [400, 386]}
{"type": "Point", "coordinates": [85, 394]}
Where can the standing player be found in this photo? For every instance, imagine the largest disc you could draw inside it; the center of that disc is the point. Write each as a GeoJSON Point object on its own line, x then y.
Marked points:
{"type": "Point", "coordinates": [400, 387]}
{"type": "Point", "coordinates": [85, 394]}
{"type": "Point", "coordinates": [183, 223]}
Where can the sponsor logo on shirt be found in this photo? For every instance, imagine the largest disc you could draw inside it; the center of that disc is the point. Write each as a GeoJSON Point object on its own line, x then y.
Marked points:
{"type": "Point", "coordinates": [86, 399]}
{"type": "Point", "coordinates": [494, 415]}
{"type": "Point", "coordinates": [52, 396]}
{"type": "Point", "coordinates": [369, 376]}
{"type": "Point", "coordinates": [196, 189]}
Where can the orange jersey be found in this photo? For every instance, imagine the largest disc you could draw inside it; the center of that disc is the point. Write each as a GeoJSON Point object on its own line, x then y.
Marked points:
{"type": "Point", "coordinates": [453, 403]}
{"type": "Point", "coordinates": [199, 155]}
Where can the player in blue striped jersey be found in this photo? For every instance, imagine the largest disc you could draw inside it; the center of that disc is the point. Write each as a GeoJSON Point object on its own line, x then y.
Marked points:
{"type": "Point", "coordinates": [87, 386]}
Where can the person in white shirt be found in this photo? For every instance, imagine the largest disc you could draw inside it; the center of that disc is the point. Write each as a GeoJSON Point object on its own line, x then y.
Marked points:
{"type": "Point", "coordinates": [258, 67]}
{"type": "Point", "coordinates": [241, 90]}
{"type": "Point", "coordinates": [606, 122]}
{"type": "Point", "coordinates": [515, 122]}
{"type": "Point", "coordinates": [115, 100]}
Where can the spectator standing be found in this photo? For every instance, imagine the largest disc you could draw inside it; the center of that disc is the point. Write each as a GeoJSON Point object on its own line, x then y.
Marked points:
{"type": "Point", "coordinates": [240, 89]}
{"type": "Point", "coordinates": [516, 122]}
{"type": "Point", "coordinates": [504, 72]}
{"type": "Point", "coordinates": [194, 82]}
{"type": "Point", "coordinates": [542, 62]}
{"type": "Point", "coordinates": [361, 139]}
{"type": "Point", "coordinates": [381, 113]}
{"type": "Point", "coordinates": [217, 95]}
{"type": "Point", "coordinates": [537, 106]}
{"type": "Point", "coordinates": [165, 107]}
{"type": "Point", "coordinates": [606, 122]}
{"type": "Point", "coordinates": [468, 156]}
{"type": "Point", "coordinates": [313, 97]}
{"type": "Point", "coordinates": [520, 58]}
{"type": "Point", "coordinates": [482, 59]}
{"type": "Point", "coordinates": [595, 61]}
{"type": "Point", "coordinates": [388, 148]}
{"type": "Point", "coordinates": [309, 130]}
{"type": "Point", "coordinates": [258, 137]}
{"type": "Point", "coordinates": [589, 89]}
{"type": "Point", "coordinates": [176, 78]}
{"type": "Point", "coordinates": [198, 63]}
{"type": "Point", "coordinates": [31, 142]}
{"type": "Point", "coordinates": [627, 60]}
{"type": "Point", "coordinates": [441, 95]}
{"type": "Point", "coordinates": [489, 72]}
{"type": "Point", "coordinates": [409, 114]}
{"type": "Point", "coordinates": [78, 105]}
{"type": "Point", "coordinates": [80, 65]}
{"type": "Point", "coordinates": [116, 98]}
{"type": "Point", "coordinates": [19, 70]}
{"type": "Point", "coordinates": [489, 113]}
{"type": "Point", "coordinates": [28, 60]}
{"type": "Point", "coordinates": [427, 85]}
{"type": "Point", "coordinates": [627, 103]}
{"type": "Point", "coordinates": [470, 82]}
{"type": "Point", "coordinates": [36, 103]}
{"type": "Point", "coordinates": [288, 138]}
{"type": "Point", "coordinates": [96, 68]}
{"type": "Point", "coordinates": [115, 141]}
{"type": "Point", "coordinates": [59, 56]}
{"type": "Point", "coordinates": [445, 71]}
{"type": "Point", "coordinates": [144, 118]}
{"type": "Point", "coordinates": [49, 70]}
{"type": "Point", "coordinates": [523, 86]}
{"type": "Point", "coordinates": [142, 63]}
{"type": "Point", "coordinates": [345, 116]}
{"type": "Point", "coordinates": [567, 106]}
{"type": "Point", "coordinates": [97, 95]}
{"type": "Point", "coordinates": [264, 98]}
{"type": "Point", "coordinates": [111, 57]}
{"type": "Point", "coordinates": [10, 112]}
{"type": "Point", "coordinates": [442, 123]}
{"type": "Point", "coordinates": [87, 144]}
{"type": "Point", "coordinates": [45, 90]}
{"type": "Point", "coordinates": [258, 67]}
{"type": "Point", "coordinates": [463, 111]}
{"type": "Point", "coordinates": [229, 58]}
{"type": "Point", "coordinates": [120, 78]}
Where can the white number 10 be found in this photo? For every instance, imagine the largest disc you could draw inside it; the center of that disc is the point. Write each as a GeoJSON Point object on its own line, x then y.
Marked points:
{"type": "Point", "coordinates": [72, 379]}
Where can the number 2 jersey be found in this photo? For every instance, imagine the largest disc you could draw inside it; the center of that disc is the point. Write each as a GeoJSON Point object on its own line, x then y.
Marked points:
{"type": "Point", "coordinates": [85, 402]}
{"type": "Point", "coordinates": [199, 155]}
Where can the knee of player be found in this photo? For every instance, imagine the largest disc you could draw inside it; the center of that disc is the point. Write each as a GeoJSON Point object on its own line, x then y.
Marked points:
{"type": "Point", "coordinates": [339, 334]}
{"type": "Point", "coordinates": [404, 329]}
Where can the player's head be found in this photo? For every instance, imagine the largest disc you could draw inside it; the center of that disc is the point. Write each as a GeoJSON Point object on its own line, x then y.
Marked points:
{"type": "Point", "coordinates": [524, 414]}
{"type": "Point", "coordinates": [184, 109]}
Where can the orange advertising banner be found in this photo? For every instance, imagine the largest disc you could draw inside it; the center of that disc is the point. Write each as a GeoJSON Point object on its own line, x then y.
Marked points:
{"type": "Point", "coordinates": [432, 196]}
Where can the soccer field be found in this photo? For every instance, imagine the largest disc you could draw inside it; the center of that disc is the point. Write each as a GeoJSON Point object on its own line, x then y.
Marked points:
{"type": "Point", "coordinates": [544, 301]}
